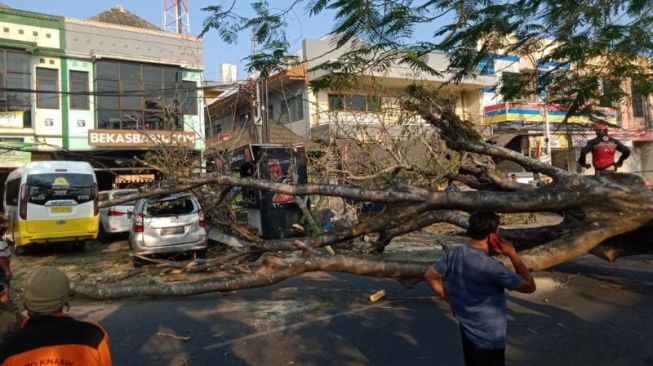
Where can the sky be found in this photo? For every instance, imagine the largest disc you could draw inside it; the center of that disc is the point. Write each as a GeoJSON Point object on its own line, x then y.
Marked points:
{"type": "Point", "coordinates": [300, 25]}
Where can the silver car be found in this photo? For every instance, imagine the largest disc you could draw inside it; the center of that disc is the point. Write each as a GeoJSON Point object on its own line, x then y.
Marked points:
{"type": "Point", "coordinates": [114, 219]}
{"type": "Point", "coordinates": [171, 224]}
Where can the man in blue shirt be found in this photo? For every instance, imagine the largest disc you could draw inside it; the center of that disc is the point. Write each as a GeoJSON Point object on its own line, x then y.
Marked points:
{"type": "Point", "coordinates": [474, 284]}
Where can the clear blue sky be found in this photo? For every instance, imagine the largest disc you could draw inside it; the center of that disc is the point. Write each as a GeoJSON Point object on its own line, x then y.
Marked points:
{"type": "Point", "coordinates": [215, 51]}
{"type": "Point", "coordinates": [300, 24]}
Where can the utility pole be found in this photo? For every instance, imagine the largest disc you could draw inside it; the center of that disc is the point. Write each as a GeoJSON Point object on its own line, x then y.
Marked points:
{"type": "Point", "coordinates": [256, 103]}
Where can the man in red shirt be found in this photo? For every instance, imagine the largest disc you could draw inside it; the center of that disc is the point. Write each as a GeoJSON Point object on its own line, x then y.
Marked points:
{"type": "Point", "coordinates": [603, 148]}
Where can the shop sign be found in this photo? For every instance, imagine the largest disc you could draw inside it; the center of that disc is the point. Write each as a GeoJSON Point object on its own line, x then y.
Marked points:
{"type": "Point", "coordinates": [14, 153]}
{"type": "Point", "coordinates": [130, 138]}
{"type": "Point", "coordinates": [11, 119]}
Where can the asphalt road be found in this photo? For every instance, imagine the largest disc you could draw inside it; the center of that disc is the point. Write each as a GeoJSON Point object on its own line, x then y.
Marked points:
{"type": "Point", "coordinates": [326, 319]}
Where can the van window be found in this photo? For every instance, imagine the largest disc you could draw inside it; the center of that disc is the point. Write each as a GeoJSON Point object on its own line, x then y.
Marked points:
{"type": "Point", "coordinates": [60, 186]}
{"type": "Point", "coordinates": [13, 190]}
{"type": "Point", "coordinates": [174, 207]}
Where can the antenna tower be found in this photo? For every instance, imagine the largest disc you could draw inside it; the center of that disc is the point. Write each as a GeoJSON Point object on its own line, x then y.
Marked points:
{"type": "Point", "coordinates": [175, 16]}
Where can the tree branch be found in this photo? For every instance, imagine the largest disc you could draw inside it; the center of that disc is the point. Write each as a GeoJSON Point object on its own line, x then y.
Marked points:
{"type": "Point", "coordinates": [274, 271]}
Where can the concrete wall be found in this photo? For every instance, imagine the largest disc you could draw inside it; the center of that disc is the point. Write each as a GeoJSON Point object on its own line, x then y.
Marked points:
{"type": "Point", "coordinates": [100, 40]}
{"type": "Point", "coordinates": [318, 51]}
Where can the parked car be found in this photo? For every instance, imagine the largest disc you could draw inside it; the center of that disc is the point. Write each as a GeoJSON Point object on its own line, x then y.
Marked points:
{"type": "Point", "coordinates": [172, 224]}
{"type": "Point", "coordinates": [114, 219]}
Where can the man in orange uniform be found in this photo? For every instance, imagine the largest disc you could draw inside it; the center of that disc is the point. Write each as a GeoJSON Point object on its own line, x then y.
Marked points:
{"type": "Point", "coordinates": [48, 336]}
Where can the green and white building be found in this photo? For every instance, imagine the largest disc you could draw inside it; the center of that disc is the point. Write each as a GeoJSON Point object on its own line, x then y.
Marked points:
{"type": "Point", "coordinates": [103, 89]}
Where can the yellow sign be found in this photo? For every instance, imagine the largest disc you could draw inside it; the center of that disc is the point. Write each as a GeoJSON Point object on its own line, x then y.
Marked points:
{"type": "Point", "coordinates": [11, 119]}
{"type": "Point", "coordinates": [61, 209]}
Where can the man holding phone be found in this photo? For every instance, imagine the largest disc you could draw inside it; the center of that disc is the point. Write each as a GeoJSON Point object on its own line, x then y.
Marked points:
{"type": "Point", "coordinates": [474, 284]}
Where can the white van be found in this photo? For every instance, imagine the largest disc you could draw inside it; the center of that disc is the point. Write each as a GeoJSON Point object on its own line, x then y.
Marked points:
{"type": "Point", "coordinates": [51, 201]}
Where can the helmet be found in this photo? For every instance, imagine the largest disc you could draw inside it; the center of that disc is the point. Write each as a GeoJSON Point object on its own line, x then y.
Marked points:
{"type": "Point", "coordinates": [46, 290]}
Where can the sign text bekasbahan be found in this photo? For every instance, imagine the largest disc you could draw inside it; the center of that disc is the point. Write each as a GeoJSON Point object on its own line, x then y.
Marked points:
{"type": "Point", "coordinates": [126, 138]}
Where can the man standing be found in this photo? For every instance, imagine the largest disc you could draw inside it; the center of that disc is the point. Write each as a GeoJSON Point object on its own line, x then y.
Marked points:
{"type": "Point", "coordinates": [474, 284]}
{"type": "Point", "coordinates": [603, 149]}
{"type": "Point", "coordinates": [48, 336]}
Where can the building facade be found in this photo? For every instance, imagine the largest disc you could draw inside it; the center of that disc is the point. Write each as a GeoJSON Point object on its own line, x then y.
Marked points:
{"type": "Point", "coordinates": [520, 124]}
{"type": "Point", "coordinates": [289, 101]}
{"type": "Point", "coordinates": [105, 89]}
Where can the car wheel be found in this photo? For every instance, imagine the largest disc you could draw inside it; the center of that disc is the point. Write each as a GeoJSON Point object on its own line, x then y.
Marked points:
{"type": "Point", "coordinates": [102, 236]}
{"type": "Point", "coordinates": [137, 262]}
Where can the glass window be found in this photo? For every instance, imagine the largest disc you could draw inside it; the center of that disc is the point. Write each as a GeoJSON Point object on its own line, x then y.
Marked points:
{"type": "Point", "coordinates": [153, 120]}
{"type": "Point", "coordinates": [131, 120]}
{"type": "Point", "coordinates": [355, 103]}
{"type": "Point", "coordinates": [79, 90]}
{"type": "Point", "coordinates": [18, 62]}
{"type": "Point", "coordinates": [15, 76]}
{"type": "Point", "coordinates": [335, 102]}
{"type": "Point", "coordinates": [107, 70]}
{"type": "Point", "coordinates": [142, 96]}
{"type": "Point", "coordinates": [47, 88]}
{"type": "Point", "coordinates": [108, 119]}
{"type": "Point", "coordinates": [13, 190]}
{"type": "Point", "coordinates": [130, 91]}
{"type": "Point", "coordinates": [373, 104]}
{"type": "Point", "coordinates": [188, 98]}
{"type": "Point", "coordinates": [638, 106]}
{"type": "Point", "coordinates": [107, 94]}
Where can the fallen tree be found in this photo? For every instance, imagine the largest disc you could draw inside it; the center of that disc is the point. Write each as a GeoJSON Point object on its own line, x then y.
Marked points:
{"type": "Point", "coordinates": [598, 212]}
{"type": "Point", "coordinates": [609, 215]}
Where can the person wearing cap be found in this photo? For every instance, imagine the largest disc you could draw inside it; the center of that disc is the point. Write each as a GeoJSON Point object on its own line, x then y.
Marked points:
{"type": "Point", "coordinates": [603, 149]}
{"type": "Point", "coordinates": [48, 336]}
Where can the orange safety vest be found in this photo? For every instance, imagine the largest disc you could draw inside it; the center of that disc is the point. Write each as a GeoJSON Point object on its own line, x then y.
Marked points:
{"type": "Point", "coordinates": [56, 340]}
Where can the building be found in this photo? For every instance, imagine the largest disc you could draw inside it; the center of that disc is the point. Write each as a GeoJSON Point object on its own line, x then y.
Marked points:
{"type": "Point", "coordinates": [520, 125]}
{"type": "Point", "coordinates": [104, 89]}
{"type": "Point", "coordinates": [296, 112]}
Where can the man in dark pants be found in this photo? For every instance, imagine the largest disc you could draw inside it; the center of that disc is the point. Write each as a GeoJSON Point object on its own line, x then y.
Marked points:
{"type": "Point", "coordinates": [603, 149]}
{"type": "Point", "coordinates": [474, 284]}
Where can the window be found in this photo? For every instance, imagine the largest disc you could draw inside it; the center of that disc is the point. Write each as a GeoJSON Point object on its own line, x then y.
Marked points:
{"type": "Point", "coordinates": [638, 106]}
{"type": "Point", "coordinates": [354, 103]}
{"type": "Point", "coordinates": [142, 96]}
{"type": "Point", "coordinates": [47, 88]}
{"type": "Point", "coordinates": [79, 90]}
{"type": "Point", "coordinates": [14, 83]}
{"type": "Point", "coordinates": [13, 190]}
{"type": "Point", "coordinates": [336, 102]}
{"type": "Point", "coordinates": [189, 98]}
{"type": "Point", "coordinates": [293, 109]}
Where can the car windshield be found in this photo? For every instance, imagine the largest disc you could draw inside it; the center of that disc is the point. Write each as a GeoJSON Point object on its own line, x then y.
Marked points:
{"type": "Point", "coordinates": [173, 207]}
